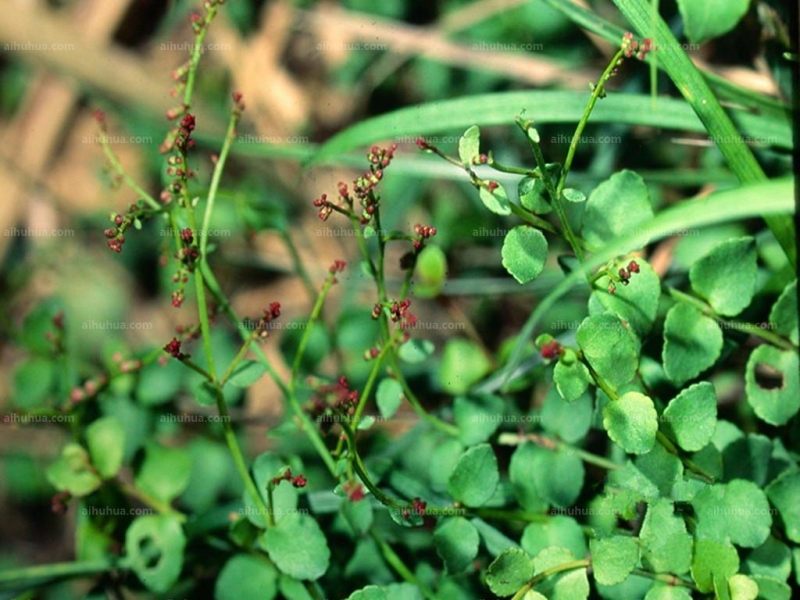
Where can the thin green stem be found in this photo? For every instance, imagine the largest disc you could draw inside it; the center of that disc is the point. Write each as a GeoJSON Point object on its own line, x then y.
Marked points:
{"type": "Point", "coordinates": [567, 566]}
{"type": "Point", "coordinates": [129, 181]}
{"type": "Point", "coordinates": [146, 499]}
{"type": "Point", "coordinates": [399, 566]}
{"type": "Point", "coordinates": [37, 573]}
{"type": "Point", "coordinates": [667, 578]}
{"type": "Point", "coordinates": [532, 219]}
{"type": "Point", "coordinates": [197, 52]}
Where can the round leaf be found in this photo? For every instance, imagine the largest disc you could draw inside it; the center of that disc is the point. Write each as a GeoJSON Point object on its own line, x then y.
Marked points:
{"type": "Point", "coordinates": [415, 350]}
{"type": "Point", "coordinates": [164, 472]}
{"type": "Point", "coordinates": [456, 541]}
{"type": "Point", "coordinates": [463, 364]}
{"type": "Point", "coordinates": [247, 576]}
{"type": "Point", "coordinates": [298, 547]}
{"type": "Point", "coordinates": [521, 473]}
{"type": "Point", "coordinates": [247, 373]}
{"type": "Point", "coordinates": [738, 511]}
{"type": "Point", "coordinates": [609, 347]}
{"type": "Point", "coordinates": [524, 253]}
{"type": "Point", "coordinates": [632, 422]}
{"type": "Point", "coordinates": [713, 560]}
{"type": "Point", "coordinates": [509, 572]}
{"type": "Point", "coordinates": [558, 476]}
{"type": "Point", "coordinates": [475, 477]}
{"type": "Point", "coordinates": [783, 316]}
{"type": "Point", "coordinates": [106, 440]}
{"type": "Point", "coordinates": [71, 472]}
{"type": "Point", "coordinates": [692, 416]}
{"type": "Point", "coordinates": [711, 18]}
{"type": "Point", "coordinates": [154, 547]}
{"type": "Point", "coordinates": [496, 201]}
{"type": "Point", "coordinates": [613, 558]}
{"type": "Point", "coordinates": [726, 276]}
{"type": "Point", "coordinates": [431, 272]}
{"type": "Point", "coordinates": [388, 397]}
{"type": "Point", "coordinates": [616, 207]}
{"type": "Point", "coordinates": [477, 418]}
{"type": "Point", "coordinates": [666, 547]}
{"type": "Point", "coordinates": [772, 383]}
{"type": "Point", "coordinates": [692, 343]}
{"type": "Point", "coordinates": [533, 195]}
{"type": "Point", "coordinates": [469, 145]}
{"type": "Point", "coordinates": [571, 380]}
{"type": "Point", "coordinates": [558, 530]}
{"type": "Point", "coordinates": [635, 303]}
{"type": "Point", "coordinates": [567, 585]}
{"type": "Point", "coordinates": [783, 493]}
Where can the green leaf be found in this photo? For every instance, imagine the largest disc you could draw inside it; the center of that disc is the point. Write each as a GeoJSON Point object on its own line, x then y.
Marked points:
{"type": "Point", "coordinates": [266, 466]}
{"type": "Point", "coordinates": [713, 560]}
{"type": "Point", "coordinates": [306, 560]}
{"type": "Point", "coordinates": [632, 422]}
{"type": "Point", "coordinates": [666, 546]}
{"type": "Point", "coordinates": [477, 418]}
{"type": "Point", "coordinates": [573, 195]}
{"type": "Point", "coordinates": [475, 477]}
{"type": "Point", "coordinates": [247, 576]}
{"type": "Point", "coordinates": [33, 382]}
{"type": "Point", "coordinates": [692, 343]}
{"type": "Point", "coordinates": [663, 591]}
{"type": "Point", "coordinates": [783, 493]}
{"type": "Point", "coordinates": [371, 592]}
{"type": "Point", "coordinates": [692, 416]}
{"type": "Point", "coordinates": [415, 350]}
{"type": "Point", "coordinates": [772, 558]}
{"type": "Point", "coordinates": [106, 440]}
{"type": "Point", "coordinates": [741, 587]}
{"type": "Point", "coordinates": [431, 272]}
{"type": "Point", "coordinates": [205, 393]}
{"type": "Point", "coordinates": [783, 316]}
{"type": "Point", "coordinates": [567, 585]}
{"type": "Point", "coordinates": [495, 541]}
{"type": "Point", "coordinates": [159, 383]}
{"type": "Point", "coordinates": [533, 195]}
{"type": "Point", "coordinates": [359, 515]}
{"type": "Point", "coordinates": [496, 201]}
{"type": "Point", "coordinates": [615, 207]}
{"type": "Point", "coordinates": [456, 541]}
{"type": "Point", "coordinates": [524, 253]}
{"type": "Point", "coordinates": [509, 572]}
{"type": "Point", "coordinates": [551, 107]}
{"type": "Point", "coordinates": [613, 558]}
{"type": "Point", "coordinates": [726, 276]}
{"type": "Point", "coordinates": [463, 364]}
{"type": "Point", "coordinates": [521, 474]}
{"type": "Point", "coordinates": [571, 380]}
{"type": "Point", "coordinates": [154, 550]}
{"type": "Point", "coordinates": [636, 303]}
{"type": "Point", "coordinates": [738, 511]}
{"type": "Point", "coordinates": [469, 146]}
{"type": "Point", "coordinates": [558, 475]}
{"type": "Point", "coordinates": [772, 589]}
{"type": "Point", "coordinates": [772, 383]}
{"type": "Point", "coordinates": [71, 472]}
{"type": "Point", "coordinates": [570, 421]}
{"type": "Point", "coordinates": [711, 18]}
{"type": "Point", "coordinates": [662, 468]}
{"type": "Point", "coordinates": [388, 397]}
{"type": "Point", "coordinates": [247, 373]}
{"type": "Point", "coordinates": [164, 472]}
{"type": "Point", "coordinates": [558, 530]}
{"type": "Point", "coordinates": [610, 348]}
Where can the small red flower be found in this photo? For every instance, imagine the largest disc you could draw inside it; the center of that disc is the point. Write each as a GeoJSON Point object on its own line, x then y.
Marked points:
{"type": "Point", "coordinates": [633, 266]}
{"type": "Point", "coordinates": [551, 350]}
{"type": "Point", "coordinates": [173, 348]}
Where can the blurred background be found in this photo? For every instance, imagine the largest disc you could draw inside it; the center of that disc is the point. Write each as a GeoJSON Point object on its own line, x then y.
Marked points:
{"type": "Point", "coordinates": [307, 70]}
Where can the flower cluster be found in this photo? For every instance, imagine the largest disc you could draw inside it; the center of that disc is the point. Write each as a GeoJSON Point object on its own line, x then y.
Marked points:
{"type": "Point", "coordinates": [363, 193]}
{"type": "Point", "coordinates": [632, 47]}
{"type": "Point", "coordinates": [270, 314]}
{"type": "Point", "coordinates": [423, 233]}
{"type": "Point", "coordinates": [297, 481]}
{"type": "Point", "coordinates": [173, 348]}
{"type": "Point", "coordinates": [354, 491]}
{"type": "Point", "coordinates": [624, 275]}
{"type": "Point", "coordinates": [116, 235]}
{"type": "Point", "coordinates": [551, 350]}
{"type": "Point", "coordinates": [337, 267]}
{"type": "Point", "coordinates": [337, 396]}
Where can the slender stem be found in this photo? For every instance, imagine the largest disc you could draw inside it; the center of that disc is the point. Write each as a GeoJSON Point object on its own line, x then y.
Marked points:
{"type": "Point", "coordinates": [508, 169]}
{"type": "Point", "coordinates": [145, 498]}
{"type": "Point", "coordinates": [567, 566]}
{"type": "Point", "coordinates": [398, 565]}
{"type": "Point", "coordinates": [667, 578]}
{"type": "Point", "coordinates": [129, 181]}
{"type": "Point", "coordinates": [315, 313]}
{"type": "Point", "coordinates": [764, 334]}
{"type": "Point", "coordinates": [236, 454]}
{"type": "Point", "coordinates": [443, 426]}
{"type": "Point", "coordinates": [555, 444]}
{"type": "Point", "coordinates": [597, 92]}
{"type": "Point", "coordinates": [237, 359]}
{"type": "Point", "coordinates": [197, 52]}
{"type": "Point", "coordinates": [56, 571]}
{"type": "Point", "coordinates": [532, 219]}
